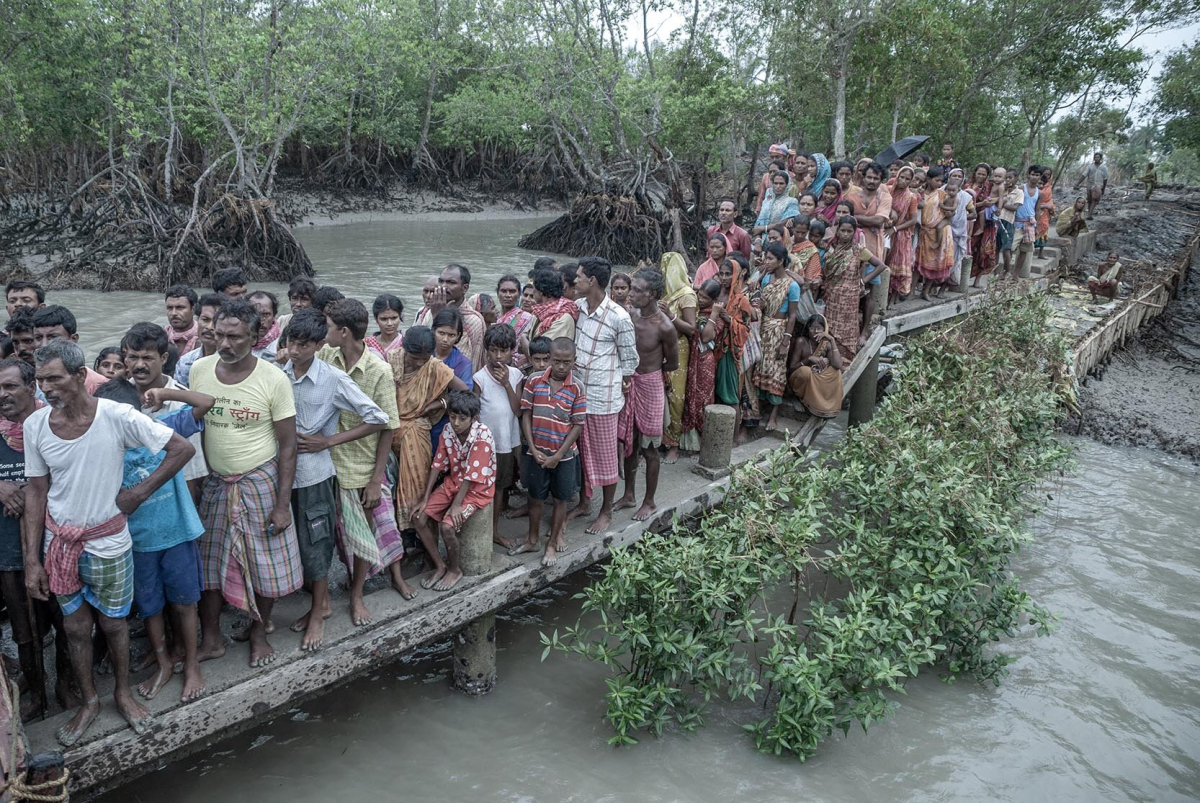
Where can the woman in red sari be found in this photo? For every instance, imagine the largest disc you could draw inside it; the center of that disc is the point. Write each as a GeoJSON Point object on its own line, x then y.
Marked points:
{"type": "Point", "coordinates": [843, 282]}
{"type": "Point", "coordinates": [935, 247]}
{"type": "Point", "coordinates": [702, 364]}
{"type": "Point", "coordinates": [983, 234]}
{"type": "Point", "coordinates": [733, 386]}
{"type": "Point", "coordinates": [1045, 211]}
{"type": "Point", "coordinates": [904, 219]}
{"type": "Point", "coordinates": [718, 249]}
{"type": "Point", "coordinates": [831, 194]}
{"type": "Point", "coordinates": [508, 290]}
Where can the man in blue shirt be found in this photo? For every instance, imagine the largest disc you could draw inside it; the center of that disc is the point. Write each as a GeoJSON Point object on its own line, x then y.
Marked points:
{"type": "Point", "coordinates": [1026, 221]}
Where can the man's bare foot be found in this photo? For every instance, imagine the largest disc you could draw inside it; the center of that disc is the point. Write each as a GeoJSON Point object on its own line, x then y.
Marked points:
{"type": "Point", "coordinates": [602, 523]}
{"type": "Point", "coordinates": [628, 500]}
{"type": "Point", "coordinates": [433, 579]}
{"type": "Point", "coordinates": [550, 555]}
{"type": "Point", "coordinates": [136, 714]}
{"type": "Point", "coordinates": [208, 652]}
{"type": "Point", "coordinates": [672, 456]}
{"type": "Point", "coordinates": [143, 662]}
{"type": "Point", "coordinates": [243, 635]}
{"type": "Point", "coordinates": [301, 624]}
{"type": "Point", "coordinates": [448, 581]}
{"type": "Point", "coordinates": [261, 651]}
{"type": "Point", "coordinates": [582, 509]}
{"type": "Point", "coordinates": [314, 634]}
{"type": "Point", "coordinates": [402, 587]}
{"type": "Point", "coordinates": [505, 543]}
{"type": "Point", "coordinates": [359, 614]}
{"type": "Point", "coordinates": [193, 685]}
{"type": "Point", "coordinates": [33, 707]}
{"type": "Point", "coordinates": [66, 694]}
{"type": "Point", "coordinates": [517, 512]}
{"type": "Point", "coordinates": [73, 731]}
{"type": "Point", "coordinates": [644, 512]}
{"type": "Point", "coordinates": [151, 686]}
{"type": "Point", "coordinates": [523, 547]}
{"type": "Point", "coordinates": [560, 542]}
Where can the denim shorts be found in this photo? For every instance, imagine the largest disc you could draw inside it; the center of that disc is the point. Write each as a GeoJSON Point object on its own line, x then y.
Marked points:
{"type": "Point", "coordinates": [166, 575]}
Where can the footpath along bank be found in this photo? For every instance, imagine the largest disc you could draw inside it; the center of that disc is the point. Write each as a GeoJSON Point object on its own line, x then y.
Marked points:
{"type": "Point", "coordinates": [240, 698]}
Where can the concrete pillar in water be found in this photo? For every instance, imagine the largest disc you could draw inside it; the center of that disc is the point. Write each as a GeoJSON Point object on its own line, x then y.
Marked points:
{"type": "Point", "coordinates": [474, 655]}
{"type": "Point", "coordinates": [964, 276]}
{"type": "Point", "coordinates": [879, 292]}
{"type": "Point", "coordinates": [862, 395]}
{"type": "Point", "coordinates": [716, 441]}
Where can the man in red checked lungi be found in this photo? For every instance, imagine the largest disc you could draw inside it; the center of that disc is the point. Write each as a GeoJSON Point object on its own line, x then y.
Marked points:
{"type": "Point", "coordinates": [606, 357]}
{"type": "Point", "coordinates": [640, 425]}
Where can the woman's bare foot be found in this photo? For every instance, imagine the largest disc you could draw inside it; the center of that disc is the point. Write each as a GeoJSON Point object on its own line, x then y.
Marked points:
{"type": "Point", "coordinates": [434, 578]}
{"type": "Point", "coordinates": [151, 686]}
{"type": "Point", "coordinates": [644, 512]}
{"type": "Point", "coordinates": [672, 456]}
{"type": "Point", "coordinates": [136, 714]}
{"type": "Point", "coordinates": [261, 651]}
{"type": "Point", "coordinates": [523, 547]}
{"type": "Point", "coordinates": [448, 581]}
{"type": "Point", "coordinates": [193, 684]}
{"type": "Point", "coordinates": [602, 523]}
{"type": "Point", "coordinates": [359, 614]}
{"type": "Point", "coordinates": [741, 437]}
{"type": "Point", "coordinates": [314, 634]}
{"type": "Point", "coordinates": [925, 293]}
{"type": "Point", "coordinates": [73, 731]}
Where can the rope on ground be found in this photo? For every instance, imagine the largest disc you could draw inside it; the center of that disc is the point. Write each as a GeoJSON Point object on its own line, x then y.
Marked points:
{"type": "Point", "coordinates": [52, 791]}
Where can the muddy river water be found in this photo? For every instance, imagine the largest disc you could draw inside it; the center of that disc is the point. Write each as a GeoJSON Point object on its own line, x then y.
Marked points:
{"type": "Point", "coordinates": [1106, 708]}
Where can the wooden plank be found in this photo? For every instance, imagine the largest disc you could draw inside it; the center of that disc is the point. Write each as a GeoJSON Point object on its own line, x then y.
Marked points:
{"type": "Point", "coordinates": [911, 321]}
{"type": "Point", "coordinates": [863, 358]}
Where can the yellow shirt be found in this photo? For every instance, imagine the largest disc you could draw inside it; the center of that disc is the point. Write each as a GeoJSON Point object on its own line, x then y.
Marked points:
{"type": "Point", "coordinates": [239, 431]}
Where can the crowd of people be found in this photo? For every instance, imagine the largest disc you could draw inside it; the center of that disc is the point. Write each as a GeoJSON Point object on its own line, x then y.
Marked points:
{"type": "Point", "coordinates": [225, 454]}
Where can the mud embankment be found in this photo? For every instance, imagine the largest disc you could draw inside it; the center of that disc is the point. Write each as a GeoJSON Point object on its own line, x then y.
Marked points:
{"type": "Point", "coordinates": [1148, 394]}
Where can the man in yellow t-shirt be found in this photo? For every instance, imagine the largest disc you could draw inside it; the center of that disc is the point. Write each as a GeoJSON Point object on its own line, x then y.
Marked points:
{"type": "Point", "coordinates": [249, 550]}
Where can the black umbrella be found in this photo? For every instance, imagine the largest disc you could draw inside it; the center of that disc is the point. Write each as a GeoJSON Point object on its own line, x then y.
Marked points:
{"type": "Point", "coordinates": [898, 150]}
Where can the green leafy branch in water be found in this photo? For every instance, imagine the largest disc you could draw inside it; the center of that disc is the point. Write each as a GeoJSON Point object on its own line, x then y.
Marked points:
{"type": "Point", "coordinates": [816, 590]}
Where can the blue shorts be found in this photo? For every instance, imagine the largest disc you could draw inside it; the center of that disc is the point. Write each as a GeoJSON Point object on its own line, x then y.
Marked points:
{"type": "Point", "coordinates": [166, 575]}
{"type": "Point", "coordinates": [561, 482]}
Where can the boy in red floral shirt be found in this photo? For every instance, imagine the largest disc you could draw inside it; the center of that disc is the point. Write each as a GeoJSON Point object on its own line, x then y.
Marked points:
{"type": "Point", "coordinates": [468, 453]}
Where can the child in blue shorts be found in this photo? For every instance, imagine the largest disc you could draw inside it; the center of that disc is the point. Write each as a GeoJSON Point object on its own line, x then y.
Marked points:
{"type": "Point", "coordinates": [166, 560]}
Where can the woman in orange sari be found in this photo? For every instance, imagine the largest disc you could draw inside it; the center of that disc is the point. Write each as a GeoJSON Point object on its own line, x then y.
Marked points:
{"type": "Point", "coordinates": [737, 314]}
{"type": "Point", "coordinates": [421, 385]}
{"type": "Point", "coordinates": [904, 218]}
{"type": "Point", "coordinates": [1045, 211]}
{"type": "Point", "coordinates": [844, 281]}
{"type": "Point", "coordinates": [935, 247]}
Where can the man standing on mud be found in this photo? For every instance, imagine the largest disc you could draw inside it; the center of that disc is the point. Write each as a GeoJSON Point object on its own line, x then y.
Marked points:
{"type": "Point", "coordinates": [249, 550]}
{"type": "Point", "coordinates": [74, 461]}
{"type": "Point", "coordinates": [738, 238]}
{"type": "Point", "coordinates": [606, 357]}
{"type": "Point", "coordinates": [640, 424]}
{"type": "Point", "coordinates": [1096, 176]}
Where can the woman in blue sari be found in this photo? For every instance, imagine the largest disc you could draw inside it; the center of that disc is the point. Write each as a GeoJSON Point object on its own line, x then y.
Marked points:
{"type": "Point", "coordinates": [778, 207]}
{"type": "Point", "coordinates": [821, 176]}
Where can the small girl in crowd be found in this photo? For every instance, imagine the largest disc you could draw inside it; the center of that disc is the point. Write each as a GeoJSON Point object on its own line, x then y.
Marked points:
{"type": "Point", "coordinates": [110, 364]}
{"type": "Point", "coordinates": [389, 312]}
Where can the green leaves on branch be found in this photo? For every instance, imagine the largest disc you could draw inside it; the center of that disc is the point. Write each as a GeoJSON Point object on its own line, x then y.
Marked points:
{"type": "Point", "coordinates": [816, 593]}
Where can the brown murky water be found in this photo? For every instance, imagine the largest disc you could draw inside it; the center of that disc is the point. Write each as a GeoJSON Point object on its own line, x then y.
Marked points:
{"type": "Point", "coordinates": [1107, 708]}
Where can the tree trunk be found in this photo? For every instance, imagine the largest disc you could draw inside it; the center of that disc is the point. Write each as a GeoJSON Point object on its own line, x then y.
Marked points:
{"type": "Point", "coordinates": [837, 80]}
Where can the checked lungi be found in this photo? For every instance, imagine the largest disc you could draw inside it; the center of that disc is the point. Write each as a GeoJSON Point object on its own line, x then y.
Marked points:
{"type": "Point", "coordinates": [643, 407]}
{"type": "Point", "coordinates": [236, 554]}
{"type": "Point", "coordinates": [598, 448]}
{"type": "Point", "coordinates": [378, 542]}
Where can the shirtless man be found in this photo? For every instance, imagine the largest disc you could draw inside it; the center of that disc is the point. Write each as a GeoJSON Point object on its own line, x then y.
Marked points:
{"type": "Point", "coordinates": [640, 425]}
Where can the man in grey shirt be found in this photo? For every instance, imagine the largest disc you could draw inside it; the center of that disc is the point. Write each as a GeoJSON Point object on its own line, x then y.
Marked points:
{"type": "Point", "coordinates": [1096, 176]}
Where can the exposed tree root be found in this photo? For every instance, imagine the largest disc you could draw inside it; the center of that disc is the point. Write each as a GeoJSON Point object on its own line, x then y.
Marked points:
{"type": "Point", "coordinates": [619, 228]}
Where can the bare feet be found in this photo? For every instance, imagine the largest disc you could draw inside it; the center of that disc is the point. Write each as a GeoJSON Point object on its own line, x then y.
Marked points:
{"type": "Point", "coordinates": [602, 523]}
{"type": "Point", "coordinates": [402, 587]}
{"type": "Point", "coordinates": [150, 687]}
{"type": "Point", "coordinates": [550, 555]}
{"type": "Point", "coordinates": [33, 707]}
{"type": "Point", "coordinates": [432, 579]}
{"type": "Point", "coordinates": [243, 635]}
{"type": "Point", "coordinates": [448, 581]}
{"type": "Point", "coordinates": [136, 714]}
{"type": "Point", "coordinates": [66, 694]}
{"type": "Point", "coordinates": [143, 662]}
{"type": "Point", "coordinates": [628, 500]}
{"type": "Point", "coordinates": [314, 634]}
{"type": "Point", "coordinates": [193, 685]}
{"type": "Point", "coordinates": [208, 652]}
{"type": "Point", "coordinates": [261, 651]}
{"type": "Point", "coordinates": [505, 543]}
{"type": "Point", "coordinates": [301, 624]}
{"type": "Point", "coordinates": [73, 731]}
{"type": "Point", "coordinates": [517, 512]}
{"type": "Point", "coordinates": [359, 614]}
{"type": "Point", "coordinates": [523, 547]}
{"type": "Point", "coordinates": [741, 437]}
{"type": "Point", "coordinates": [672, 456]}
{"type": "Point", "coordinates": [644, 512]}
{"type": "Point", "coordinates": [582, 509]}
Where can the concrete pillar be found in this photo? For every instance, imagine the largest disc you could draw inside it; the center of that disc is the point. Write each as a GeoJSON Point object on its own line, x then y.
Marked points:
{"type": "Point", "coordinates": [879, 292]}
{"type": "Point", "coordinates": [716, 440]}
{"type": "Point", "coordinates": [964, 276]}
{"type": "Point", "coordinates": [862, 395]}
{"type": "Point", "coordinates": [1024, 258]}
{"type": "Point", "coordinates": [474, 652]}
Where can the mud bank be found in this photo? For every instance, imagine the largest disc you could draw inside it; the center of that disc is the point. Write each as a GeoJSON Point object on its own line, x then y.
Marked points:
{"type": "Point", "coordinates": [1146, 394]}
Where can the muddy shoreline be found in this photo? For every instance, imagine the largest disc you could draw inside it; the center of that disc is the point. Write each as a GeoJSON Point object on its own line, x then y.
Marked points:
{"type": "Point", "coordinates": [1145, 395]}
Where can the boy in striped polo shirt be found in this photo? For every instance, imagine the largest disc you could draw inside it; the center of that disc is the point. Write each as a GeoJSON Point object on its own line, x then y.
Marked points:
{"type": "Point", "coordinates": [553, 406]}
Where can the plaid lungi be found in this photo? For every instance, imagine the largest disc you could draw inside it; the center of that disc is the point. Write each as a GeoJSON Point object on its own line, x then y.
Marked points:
{"type": "Point", "coordinates": [107, 585]}
{"type": "Point", "coordinates": [643, 407]}
{"type": "Point", "coordinates": [353, 531]}
{"type": "Point", "coordinates": [237, 555]}
{"type": "Point", "coordinates": [598, 448]}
